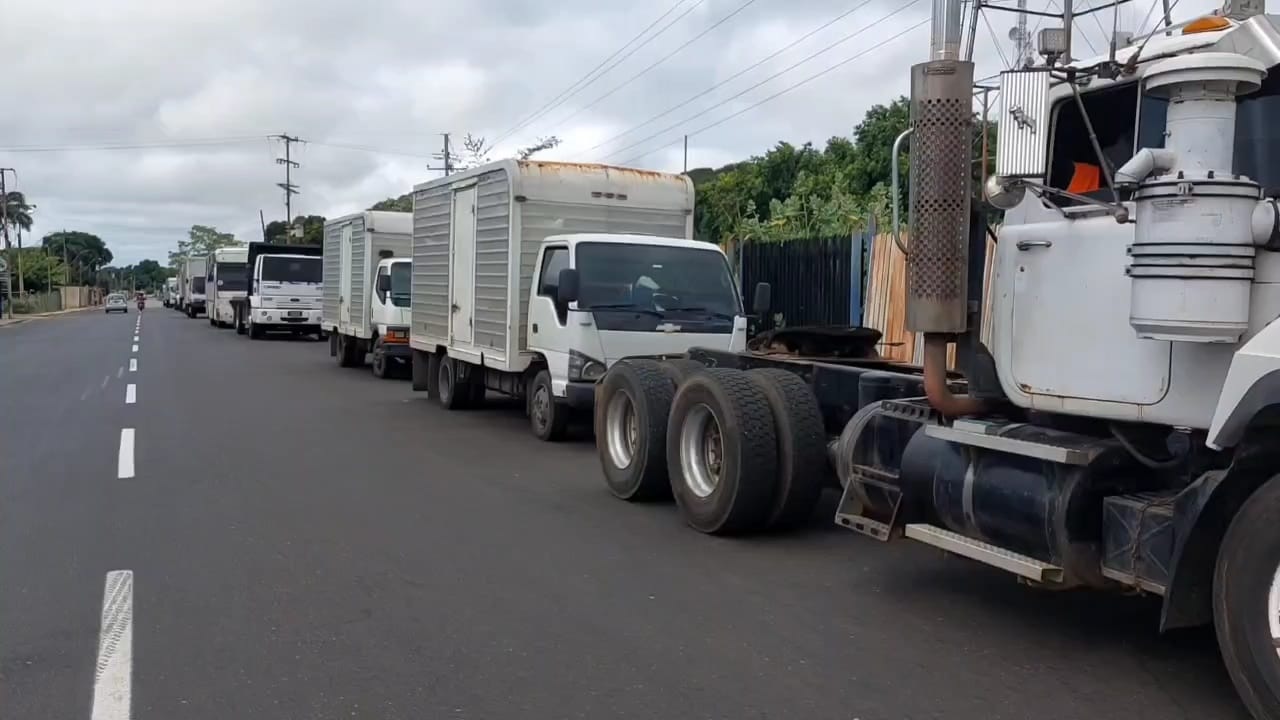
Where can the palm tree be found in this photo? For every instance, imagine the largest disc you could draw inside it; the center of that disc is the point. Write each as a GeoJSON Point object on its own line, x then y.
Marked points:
{"type": "Point", "coordinates": [17, 210]}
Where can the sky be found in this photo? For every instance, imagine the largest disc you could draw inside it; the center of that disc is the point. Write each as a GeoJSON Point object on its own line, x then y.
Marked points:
{"type": "Point", "coordinates": [135, 119]}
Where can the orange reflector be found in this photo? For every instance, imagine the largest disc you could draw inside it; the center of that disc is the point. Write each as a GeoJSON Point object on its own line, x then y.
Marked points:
{"type": "Point", "coordinates": [1209, 23]}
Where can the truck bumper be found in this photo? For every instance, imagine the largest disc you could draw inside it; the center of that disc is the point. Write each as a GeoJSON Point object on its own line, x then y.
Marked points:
{"type": "Point", "coordinates": [284, 317]}
{"type": "Point", "coordinates": [580, 395]}
{"type": "Point", "coordinates": [398, 351]}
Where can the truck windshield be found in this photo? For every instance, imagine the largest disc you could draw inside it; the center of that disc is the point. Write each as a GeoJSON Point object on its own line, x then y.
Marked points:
{"type": "Point", "coordinates": [662, 278]}
{"type": "Point", "coordinates": [231, 277]}
{"type": "Point", "coordinates": [291, 269]}
{"type": "Point", "coordinates": [401, 277]}
{"type": "Point", "coordinates": [197, 285]}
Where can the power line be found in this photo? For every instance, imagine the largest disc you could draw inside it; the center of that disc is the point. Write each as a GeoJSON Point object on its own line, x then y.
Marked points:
{"type": "Point", "coordinates": [368, 149]}
{"type": "Point", "coordinates": [195, 142]}
{"type": "Point", "coordinates": [579, 85]}
{"type": "Point", "coordinates": [788, 89]}
{"type": "Point", "coordinates": [658, 62]}
{"type": "Point", "coordinates": [774, 76]}
{"type": "Point", "coordinates": [744, 71]}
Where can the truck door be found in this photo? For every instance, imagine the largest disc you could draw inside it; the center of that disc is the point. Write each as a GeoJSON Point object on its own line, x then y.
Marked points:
{"type": "Point", "coordinates": [344, 277]}
{"type": "Point", "coordinates": [462, 244]}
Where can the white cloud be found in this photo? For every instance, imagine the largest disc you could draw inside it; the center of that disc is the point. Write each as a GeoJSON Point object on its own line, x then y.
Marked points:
{"type": "Point", "coordinates": [390, 76]}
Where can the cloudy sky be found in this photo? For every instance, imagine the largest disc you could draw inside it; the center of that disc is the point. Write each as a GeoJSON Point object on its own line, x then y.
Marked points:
{"type": "Point", "coordinates": [370, 85]}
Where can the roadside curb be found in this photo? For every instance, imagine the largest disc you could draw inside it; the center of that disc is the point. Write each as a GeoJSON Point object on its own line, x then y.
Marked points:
{"type": "Point", "coordinates": [37, 316]}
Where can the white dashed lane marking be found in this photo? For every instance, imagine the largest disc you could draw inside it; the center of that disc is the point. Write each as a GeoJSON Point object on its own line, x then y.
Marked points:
{"type": "Point", "coordinates": [124, 464]}
{"type": "Point", "coordinates": [130, 394]}
{"type": "Point", "coordinates": [133, 364]}
{"type": "Point", "coordinates": [135, 348]}
{"type": "Point", "coordinates": [113, 676]}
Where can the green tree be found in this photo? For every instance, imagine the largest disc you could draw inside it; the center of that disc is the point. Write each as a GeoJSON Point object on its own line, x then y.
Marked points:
{"type": "Point", "coordinates": [312, 231]}
{"type": "Point", "coordinates": [404, 203]}
{"type": "Point", "coordinates": [40, 270]}
{"type": "Point", "coordinates": [201, 240]}
{"type": "Point", "coordinates": [83, 252]}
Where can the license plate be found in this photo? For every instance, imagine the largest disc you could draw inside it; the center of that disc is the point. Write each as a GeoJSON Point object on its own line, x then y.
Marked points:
{"type": "Point", "coordinates": [295, 313]}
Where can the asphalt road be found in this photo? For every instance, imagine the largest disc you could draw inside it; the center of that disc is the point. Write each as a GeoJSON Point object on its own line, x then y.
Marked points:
{"type": "Point", "coordinates": [305, 541]}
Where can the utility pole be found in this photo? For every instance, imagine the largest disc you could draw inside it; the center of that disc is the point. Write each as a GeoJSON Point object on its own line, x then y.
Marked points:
{"type": "Point", "coordinates": [686, 154]}
{"type": "Point", "coordinates": [1022, 53]}
{"type": "Point", "coordinates": [4, 227]}
{"type": "Point", "coordinates": [446, 157]}
{"type": "Point", "coordinates": [289, 188]}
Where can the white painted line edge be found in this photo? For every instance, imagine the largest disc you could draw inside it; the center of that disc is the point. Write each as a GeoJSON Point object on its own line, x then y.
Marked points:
{"type": "Point", "coordinates": [130, 394]}
{"type": "Point", "coordinates": [106, 379]}
{"type": "Point", "coordinates": [120, 372]}
{"type": "Point", "coordinates": [113, 676]}
{"type": "Point", "coordinates": [124, 465]}
{"type": "Point", "coordinates": [133, 364]}
{"type": "Point", "coordinates": [135, 338]}
{"type": "Point", "coordinates": [135, 348]}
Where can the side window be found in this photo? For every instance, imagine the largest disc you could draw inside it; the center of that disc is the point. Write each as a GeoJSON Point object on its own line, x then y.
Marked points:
{"type": "Point", "coordinates": [554, 260]}
{"type": "Point", "coordinates": [377, 284]}
{"type": "Point", "coordinates": [1113, 112]}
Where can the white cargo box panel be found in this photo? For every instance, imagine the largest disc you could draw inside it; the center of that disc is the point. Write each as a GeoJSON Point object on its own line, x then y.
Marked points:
{"type": "Point", "coordinates": [476, 236]}
{"type": "Point", "coordinates": [351, 252]}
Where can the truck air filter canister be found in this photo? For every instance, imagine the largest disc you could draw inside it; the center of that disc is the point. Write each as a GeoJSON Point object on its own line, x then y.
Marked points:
{"type": "Point", "coordinates": [1193, 252]}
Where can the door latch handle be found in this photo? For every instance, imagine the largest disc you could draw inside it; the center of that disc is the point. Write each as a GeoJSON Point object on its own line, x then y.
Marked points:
{"type": "Point", "coordinates": [455, 307]}
{"type": "Point", "coordinates": [535, 328]}
{"type": "Point", "coordinates": [1028, 244]}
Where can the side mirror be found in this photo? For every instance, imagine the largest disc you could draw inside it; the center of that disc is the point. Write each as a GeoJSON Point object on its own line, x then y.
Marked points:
{"type": "Point", "coordinates": [763, 298]}
{"type": "Point", "coordinates": [384, 284]}
{"type": "Point", "coordinates": [567, 290]}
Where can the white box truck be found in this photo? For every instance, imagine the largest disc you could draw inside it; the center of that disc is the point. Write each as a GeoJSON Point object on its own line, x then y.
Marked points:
{"type": "Point", "coordinates": [365, 308]}
{"type": "Point", "coordinates": [226, 279]}
{"type": "Point", "coordinates": [193, 288]}
{"type": "Point", "coordinates": [170, 292]}
{"type": "Point", "coordinates": [531, 278]}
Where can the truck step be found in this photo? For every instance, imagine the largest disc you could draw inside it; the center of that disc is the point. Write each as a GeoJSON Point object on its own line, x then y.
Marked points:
{"type": "Point", "coordinates": [1018, 564]}
{"type": "Point", "coordinates": [874, 519]}
{"type": "Point", "coordinates": [1138, 539]}
{"type": "Point", "coordinates": [987, 434]}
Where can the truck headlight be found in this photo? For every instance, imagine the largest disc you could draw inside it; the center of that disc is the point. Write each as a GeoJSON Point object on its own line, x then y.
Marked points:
{"type": "Point", "coordinates": [585, 367]}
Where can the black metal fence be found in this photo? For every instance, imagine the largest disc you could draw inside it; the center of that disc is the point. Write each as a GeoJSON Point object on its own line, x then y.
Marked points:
{"type": "Point", "coordinates": [813, 280]}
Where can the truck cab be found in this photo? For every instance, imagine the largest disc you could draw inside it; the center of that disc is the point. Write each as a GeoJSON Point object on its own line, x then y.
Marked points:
{"type": "Point", "coordinates": [389, 315]}
{"type": "Point", "coordinates": [284, 295]}
{"type": "Point", "coordinates": [597, 298]}
{"type": "Point", "coordinates": [170, 291]}
{"type": "Point", "coordinates": [193, 292]}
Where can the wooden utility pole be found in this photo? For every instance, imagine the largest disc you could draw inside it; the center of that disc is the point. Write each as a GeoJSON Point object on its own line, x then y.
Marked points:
{"type": "Point", "coordinates": [289, 188]}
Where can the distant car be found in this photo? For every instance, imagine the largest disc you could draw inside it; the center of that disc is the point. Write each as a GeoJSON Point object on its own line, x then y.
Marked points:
{"type": "Point", "coordinates": [116, 303]}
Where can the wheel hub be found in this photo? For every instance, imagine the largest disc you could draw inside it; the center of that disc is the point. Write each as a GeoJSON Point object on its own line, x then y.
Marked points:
{"type": "Point", "coordinates": [701, 451]}
{"type": "Point", "coordinates": [1273, 610]}
{"type": "Point", "coordinates": [540, 406]}
{"type": "Point", "coordinates": [622, 429]}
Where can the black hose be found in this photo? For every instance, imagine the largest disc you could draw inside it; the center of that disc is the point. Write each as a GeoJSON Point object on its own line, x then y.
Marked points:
{"type": "Point", "coordinates": [1141, 458]}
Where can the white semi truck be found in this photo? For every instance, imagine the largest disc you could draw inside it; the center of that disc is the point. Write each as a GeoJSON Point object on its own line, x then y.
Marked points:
{"type": "Point", "coordinates": [193, 286]}
{"type": "Point", "coordinates": [531, 278]}
{"type": "Point", "coordinates": [284, 290]}
{"type": "Point", "coordinates": [367, 270]}
{"type": "Point", "coordinates": [1118, 429]}
{"type": "Point", "coordinates": [170, 292]}
{"type": "Point", "coordinates": [226, 279]}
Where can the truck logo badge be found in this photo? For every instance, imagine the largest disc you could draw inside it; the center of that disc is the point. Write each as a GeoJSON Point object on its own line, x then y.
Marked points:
{"type": "Point", "coordinates": [667, 327]}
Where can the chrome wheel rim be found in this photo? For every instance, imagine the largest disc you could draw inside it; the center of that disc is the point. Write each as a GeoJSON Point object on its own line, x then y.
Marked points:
{"type": "Point", "coordinates": [622, 429]}
{"type": "Point", "coordinates": [701, 451]}
{"type": "Point", "coordinates": [446, 379]}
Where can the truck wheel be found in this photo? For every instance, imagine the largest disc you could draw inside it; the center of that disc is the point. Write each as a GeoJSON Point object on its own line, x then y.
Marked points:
{"type": "Point", "coordinates": [451, 394]}
{"type": "Point", "coordinates": [547, 418]}
{"type": "Point", "coordinates": [212, 322]}
{"type": "Point", "coordinates": [802, 446]}
{"type": "Point", "coordinates": [379, 359]}
{"type": "Point", "coordinates": [631, 429]}
{"type": "Point", "coordinates": [1246, 601]}
{"type": "Point", "coordinates": [349, 352]}
{"type": "Point", "coordinates": [679, 369]}
{"type": "Point", "coordinates": [722, 452]}
{"type": "Point", "coordinates": [239, 323]}
{"type": "Point", "coordinates": [191, 312]}
{"type": "Point", "coordinates": [333, 345]}
{"type": "Point", "coordinates": [255, 332]}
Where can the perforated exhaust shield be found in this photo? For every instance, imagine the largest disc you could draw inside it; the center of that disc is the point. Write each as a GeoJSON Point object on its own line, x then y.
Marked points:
{"type": "Point", "coordinates": [937, 259]}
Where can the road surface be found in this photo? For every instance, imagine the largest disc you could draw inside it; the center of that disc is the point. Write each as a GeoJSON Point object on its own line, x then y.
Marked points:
{"type": "Point", "coordinates": [209, 527]}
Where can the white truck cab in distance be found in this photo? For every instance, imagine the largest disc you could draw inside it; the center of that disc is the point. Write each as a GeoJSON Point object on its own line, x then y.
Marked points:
{"type": "Point", "coordinates": [284, 290]}
{"type": "Point", "coordinates": [193, 288]}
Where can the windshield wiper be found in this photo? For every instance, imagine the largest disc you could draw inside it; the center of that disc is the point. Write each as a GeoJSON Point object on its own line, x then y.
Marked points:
{"type": "Point", "coordinates": [624, 306]}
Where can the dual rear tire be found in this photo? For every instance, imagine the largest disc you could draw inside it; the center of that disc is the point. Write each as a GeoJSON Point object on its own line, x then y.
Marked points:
{"type": "Point", "coordinates": [739, 451]}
